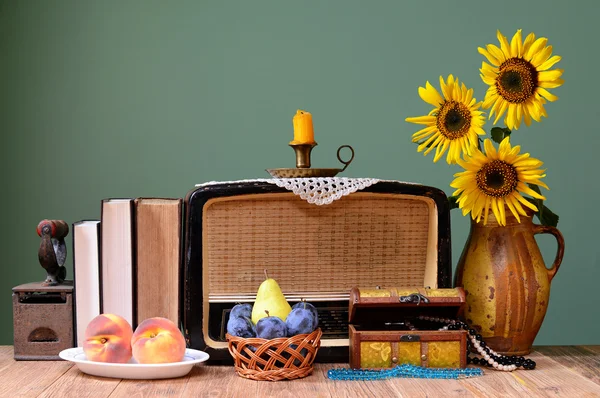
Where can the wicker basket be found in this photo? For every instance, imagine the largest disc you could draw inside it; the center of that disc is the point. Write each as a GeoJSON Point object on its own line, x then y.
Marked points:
{"type": "Point", "coordinates": [285, 358]}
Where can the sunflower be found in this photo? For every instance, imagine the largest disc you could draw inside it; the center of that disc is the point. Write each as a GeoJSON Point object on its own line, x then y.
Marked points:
{"type": "Point", "coordinates": [518, 78]}
{"type": "Point", "coordinates": [453, 124]}
{"type": "Point", "coordinates": [495, 179]}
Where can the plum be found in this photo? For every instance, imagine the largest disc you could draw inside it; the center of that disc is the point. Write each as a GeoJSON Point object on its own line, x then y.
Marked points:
{"type": "Point", "coordinates": [241, 327]}
{"type": "Point", "coordinates": [242, 310]}
{"type": "Point", "coordinates": [312, 308]}
{"type": "Point", "coordinates": [271, 327]}
{"type": "Point", "coordinates": [300, 321]}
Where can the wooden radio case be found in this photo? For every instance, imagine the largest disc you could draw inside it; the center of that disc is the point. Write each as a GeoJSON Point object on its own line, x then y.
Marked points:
{"type": "Point", "coordinates": [389, 234]}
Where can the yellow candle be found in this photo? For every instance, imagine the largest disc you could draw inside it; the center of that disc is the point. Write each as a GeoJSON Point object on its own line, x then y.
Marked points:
{"type": "Point", "coordinates": [303, 128]}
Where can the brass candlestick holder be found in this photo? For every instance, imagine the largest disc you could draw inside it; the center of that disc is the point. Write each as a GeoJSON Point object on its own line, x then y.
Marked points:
{"type": "Point", "coordinates": [303, 169]}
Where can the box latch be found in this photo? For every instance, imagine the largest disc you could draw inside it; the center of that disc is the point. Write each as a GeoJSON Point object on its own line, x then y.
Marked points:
{"type": "Point", "coordinates": [410, 337]}
{"type": "Point", "coordinates": [415, 298]}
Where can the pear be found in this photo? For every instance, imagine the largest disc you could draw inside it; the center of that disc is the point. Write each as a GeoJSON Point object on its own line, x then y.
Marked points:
{"type": "Point", "coordinates": [270, 298]}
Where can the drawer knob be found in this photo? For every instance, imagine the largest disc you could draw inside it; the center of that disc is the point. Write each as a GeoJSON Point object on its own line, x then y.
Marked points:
{"type": "Point", "coordinates": [423, 357]}
{"type": "Point", "coordinates": [395, 359]}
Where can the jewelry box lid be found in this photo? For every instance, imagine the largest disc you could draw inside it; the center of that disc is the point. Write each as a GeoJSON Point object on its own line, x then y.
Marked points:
{"type": "Point", "coordinates": [373, 306]}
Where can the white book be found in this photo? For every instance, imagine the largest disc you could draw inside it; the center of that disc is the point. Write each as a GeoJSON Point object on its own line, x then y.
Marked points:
{"type": "Point", "coordinates": [118, 258]}
{"type": "Point", "coordinates": [86, 274]}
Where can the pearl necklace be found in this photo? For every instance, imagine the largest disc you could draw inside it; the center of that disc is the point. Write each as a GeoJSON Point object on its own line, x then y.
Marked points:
{"type": "Point", "coordinates": [489, 357]}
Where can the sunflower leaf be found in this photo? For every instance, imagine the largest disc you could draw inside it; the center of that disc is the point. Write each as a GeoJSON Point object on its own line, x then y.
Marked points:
{"type": "Point", "coordinates": [499, 133]}
{"type": "Point", "coordinates": [548, 217]}
{"type": "Point", "coordinates": [544, 214]}
{"type": "Point", "coordinates": [453, 201]}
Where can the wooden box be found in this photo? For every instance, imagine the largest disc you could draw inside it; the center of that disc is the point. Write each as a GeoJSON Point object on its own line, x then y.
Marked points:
{"type": "Point", "coordinates": [390, 233]}
{"type": "Point", "coordinates": [386, 329]}
{"type": "Point", "coordinates": [42, 321]}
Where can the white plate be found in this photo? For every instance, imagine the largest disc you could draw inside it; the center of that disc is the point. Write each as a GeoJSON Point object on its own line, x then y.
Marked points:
{"type": "Point", "coordinates": [132, 369]}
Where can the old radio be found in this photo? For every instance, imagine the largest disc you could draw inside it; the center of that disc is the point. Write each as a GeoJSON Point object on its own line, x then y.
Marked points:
{"type": "Point", "coordinates": [389, 234]}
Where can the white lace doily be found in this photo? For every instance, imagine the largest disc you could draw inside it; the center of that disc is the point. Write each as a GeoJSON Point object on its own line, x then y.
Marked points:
{"type": "Point", "coordinates": [323, 190]}
{"type": "Point", "coordinates": [319, 191]}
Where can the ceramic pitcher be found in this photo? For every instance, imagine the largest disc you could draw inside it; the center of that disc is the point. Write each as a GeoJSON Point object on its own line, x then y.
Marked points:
{"type": "Point", "coordinates": [506, 281]}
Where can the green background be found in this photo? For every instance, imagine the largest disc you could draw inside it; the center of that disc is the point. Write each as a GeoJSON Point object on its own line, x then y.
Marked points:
{"type": "Point", "coordinates": [106, 99]}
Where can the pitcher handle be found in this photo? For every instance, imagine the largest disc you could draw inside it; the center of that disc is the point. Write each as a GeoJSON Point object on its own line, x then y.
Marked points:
{"type": "Point", "coordinates": [546, 229]}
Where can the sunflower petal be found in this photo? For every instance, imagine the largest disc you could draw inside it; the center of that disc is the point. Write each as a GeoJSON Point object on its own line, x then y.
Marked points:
{"type": "Point", "coordinates": [424, 132]}
{"type": "Point", "coordinates": [549, 63]}
{"type": "Point", "coordinates": [425, 144]}
{"type": "Point", "coordinates": [430, 95]}
{"type": "Point", "coordinates": [516, 45]}
{"type": "Point", "coordinates": [524, 201]}
{"type": "Point", "coordinates": [553, 84]}
{"type": "Point", "coordinates": [501, 210]}
{"type": "Point", "coordinates": [550, 75]}
{"type": "Point", "coordinates": [541, 56]}
{"type": "Point", "coordinates": [496, 211]}
{"type": "Point", "coordinates": [512, 209]}
{"type": "Point", "coordinates": [421, 119]}
{"type": "Point", "coordinates": [493, 60]}
{"type": "Point", "coordinates": [490, 151]}
{"type": "Point", "coordinates": [528, 191]}
{"type": "Point", "coordinates": [434, 144]}
{"type": "Point", "coordinates": [510, 117]}
{"type": "Point", "coordinates": [546, 94]}
{"type": "Point", "coordinates": [446, 91]}
{"type": "Point", "coordinates": [527, 43]}
{"type": "Point", "coordinates": [497, 53]}
{"type": "Point", "coordinates": [512, 199]}
{"type": "Point", "coordinates": [502, 108]}
{"type": "Point", "coordinates": [487, 209]}
{"type": "Point", "coordinates": [503, 44]}
{"type": "Point", "coordinates": [440, 150]}
{"type": "Point", "coordinates": [535, 47]}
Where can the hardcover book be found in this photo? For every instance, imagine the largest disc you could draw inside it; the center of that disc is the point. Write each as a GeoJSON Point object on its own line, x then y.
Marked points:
{"type": "Point", "coordinates": [158, 252]}
{"type": "Point", "coordinates": [86, 274]}
{"type": "Point", "coordinates": [118, 258]}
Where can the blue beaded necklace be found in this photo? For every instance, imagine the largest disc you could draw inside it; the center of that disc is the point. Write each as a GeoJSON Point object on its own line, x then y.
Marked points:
{"type": "Point", "coordinates": [403, 371]}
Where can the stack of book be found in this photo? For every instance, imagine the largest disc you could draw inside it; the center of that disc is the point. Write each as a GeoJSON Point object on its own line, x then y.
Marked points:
{"type": "Point", "coordinates": [129, 262]}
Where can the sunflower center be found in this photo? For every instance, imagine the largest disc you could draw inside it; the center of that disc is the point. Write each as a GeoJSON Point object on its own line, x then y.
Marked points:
{"type": "Point", "coordinates": [453, 119]}
{"type": "Point", "coordinates": [517, 80]}
{"type": "Point", "coordinates": [497, 179]}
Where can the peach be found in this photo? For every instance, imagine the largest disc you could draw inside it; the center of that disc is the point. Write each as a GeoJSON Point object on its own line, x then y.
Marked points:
{"type": "Point", "coordinates": [157, 340]}
{"type": "Point", "coordinates": [108, 339]}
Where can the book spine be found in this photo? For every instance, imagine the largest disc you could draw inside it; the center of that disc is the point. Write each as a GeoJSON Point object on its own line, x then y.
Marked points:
{"type": "Point", "coordinates": [158, 240]}
{"type": "Point", "coordinates": [118, 258]}
{"type": "Point", "coordinates": [86, 275]}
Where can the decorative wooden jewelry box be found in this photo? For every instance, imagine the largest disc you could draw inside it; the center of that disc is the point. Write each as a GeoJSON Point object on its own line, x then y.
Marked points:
{"type": "Point", "coordinates": [390, 233]}
{"type": "Point", "coordinates": [387, 328]}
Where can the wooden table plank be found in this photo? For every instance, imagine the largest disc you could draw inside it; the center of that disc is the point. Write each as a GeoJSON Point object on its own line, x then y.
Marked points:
{"type": "Point", "coordinates": [582, 360]}
{"type": "Point", "coordinates": [553, 379]}
{"type": "Point", "coordinates": [343, 388]}
{"type": "Point", "coordinates": [562, 371]}
{"type": "Point", "coordinates": [151, 388]}
{"type": "Point", "coordinates": [27, 378]}
{"type": "Point", "coordinates": [74, 383]}
{"type": "Point", "coordinates": [593, 348]}
{"type": "Point", "coordinates": [6, 353]}
{"type": "Point", "coordinates": [217, 382]}
{"type": "Point", "coordinates": [309, 386]}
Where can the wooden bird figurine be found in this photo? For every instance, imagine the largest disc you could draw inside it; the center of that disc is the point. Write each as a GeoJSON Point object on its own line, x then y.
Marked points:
{"type": "Point", "coordinates": [53, 250]}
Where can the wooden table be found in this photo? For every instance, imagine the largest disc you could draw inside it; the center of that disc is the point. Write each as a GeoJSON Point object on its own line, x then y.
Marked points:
{"type": "Point", "coordinates": [572, 371]}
